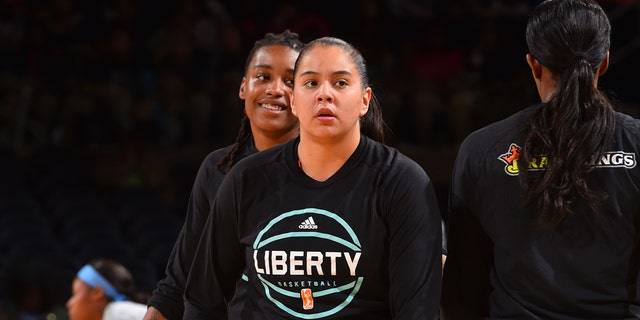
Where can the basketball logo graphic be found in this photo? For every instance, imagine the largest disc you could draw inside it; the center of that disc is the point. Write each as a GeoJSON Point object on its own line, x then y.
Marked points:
{"type": "Point", "coordinates": [310, 256]}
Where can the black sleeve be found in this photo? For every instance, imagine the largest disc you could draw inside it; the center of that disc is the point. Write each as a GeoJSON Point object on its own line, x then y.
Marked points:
{"type": "Point", "coordinates": [466, 284]}
{"type": "Point", "coordinates": [218, 262]}
{"type": "Point", "coordinates": [415, 248]}
{"type": "Point", "coordinates": [168, 295]}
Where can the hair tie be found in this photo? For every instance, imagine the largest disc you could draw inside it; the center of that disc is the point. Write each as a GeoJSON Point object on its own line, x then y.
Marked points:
{"type": "Point", "coordinates": [579, 56]}
{"type": "Point", "coordinates": [93, 278]}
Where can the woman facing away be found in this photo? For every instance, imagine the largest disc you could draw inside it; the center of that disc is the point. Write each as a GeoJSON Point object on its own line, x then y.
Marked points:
{"type": "Point", "coordinates": [545, 205]}
{"type": "Point", "coordinates": [267, 121]}
{"type": "Point", "coordinates": [104, 290]}
{"type": "Point", "coordinates": [330, 225]}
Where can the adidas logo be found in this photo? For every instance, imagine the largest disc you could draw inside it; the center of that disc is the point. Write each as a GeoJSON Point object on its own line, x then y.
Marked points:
{"type": "Point", "coordinates": [308, 224]}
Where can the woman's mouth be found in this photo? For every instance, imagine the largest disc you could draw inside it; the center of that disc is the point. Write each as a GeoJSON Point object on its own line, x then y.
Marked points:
{"type": "Point", "coordinates": [272, 107]}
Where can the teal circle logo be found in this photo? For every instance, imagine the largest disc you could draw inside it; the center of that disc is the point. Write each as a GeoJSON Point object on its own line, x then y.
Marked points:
{"type": "Point", "coordinates": [320, 260]}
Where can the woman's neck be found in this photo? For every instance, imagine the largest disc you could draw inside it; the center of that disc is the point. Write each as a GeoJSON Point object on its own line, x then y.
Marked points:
{"type": "Point", "coordinates": [263, 141]}
{"type": "Point", "coordinates": [321, 160]}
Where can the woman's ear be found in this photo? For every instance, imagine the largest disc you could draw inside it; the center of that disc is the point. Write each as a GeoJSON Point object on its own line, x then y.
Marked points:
{"type": "Point", "coordinates": [97, 293]}
{"type": "Point", "coordinates": [536, 67]}
{"type": "Point", "coordinates": [294, 111]}
{"type": "Point", "coordinates": [366, 98]}
{"type": "Point", "coordinates": [604, 65]}
{"type": "Point", "coordinates": [241, 91]}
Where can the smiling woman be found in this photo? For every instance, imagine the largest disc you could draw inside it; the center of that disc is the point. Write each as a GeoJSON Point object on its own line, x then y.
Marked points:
{"type": "Point", "coordinates": [268, 121]}
{"type": "Point", "coordinates": [332, 224]}
{"type": "Point", "coordinates": [265, 95]}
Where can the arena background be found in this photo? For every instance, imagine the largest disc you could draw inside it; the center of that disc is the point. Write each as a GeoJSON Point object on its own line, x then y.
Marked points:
{"type": "Point", "coordinates": [107, 108]}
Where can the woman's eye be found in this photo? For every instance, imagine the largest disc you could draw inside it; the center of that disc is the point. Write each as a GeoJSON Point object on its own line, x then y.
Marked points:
{"type": "Point", "coordinates": [341, 83]}
{"type": "Point", "coordinates": [310, 83]}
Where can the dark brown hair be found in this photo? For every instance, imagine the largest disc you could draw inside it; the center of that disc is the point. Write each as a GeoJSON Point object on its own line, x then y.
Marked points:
{"type": "Point", "coordinates": [120, 278]}
{"type": "Point", "coordinates": [574, 128]}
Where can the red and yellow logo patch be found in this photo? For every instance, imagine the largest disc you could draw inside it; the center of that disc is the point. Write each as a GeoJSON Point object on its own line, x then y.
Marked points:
{"type": "Point", "coordinates": [511, 160]}
{"type": "Point", "coordinates": [512, 157]}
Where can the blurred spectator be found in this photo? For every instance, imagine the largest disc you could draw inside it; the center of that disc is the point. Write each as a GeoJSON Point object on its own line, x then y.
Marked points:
{"type": "Point", "coordinates": [104, 290]}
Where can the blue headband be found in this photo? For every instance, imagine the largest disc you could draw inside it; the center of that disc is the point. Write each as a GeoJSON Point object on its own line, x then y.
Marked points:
{"type": "Point", "coordinates": [94, 279]}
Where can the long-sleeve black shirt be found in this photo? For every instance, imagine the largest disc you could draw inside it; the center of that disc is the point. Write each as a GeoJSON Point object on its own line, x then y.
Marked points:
{"type": "Point", "coordinates": [168, 295]}
{"type": "Point", "coordinates": [502, 264]}
{"type": "Point", "coordinates": [364, 244]}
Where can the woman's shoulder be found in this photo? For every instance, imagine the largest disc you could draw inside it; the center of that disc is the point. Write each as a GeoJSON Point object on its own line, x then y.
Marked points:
{"type": "Point", "coordinates": [268, 156]}
{"type": "Point", "coordinates": [216, 155]}
{"type": "Point", "coordinates": [388, 158]}
{"type": "Point", "coordinates": [510, 124]}
{"type": "Point", "coordinates": [496, 134]}
{"type": "Point", "coordinates": [628, 123]}
{"type": "Point", "coordinates": [210, 162]}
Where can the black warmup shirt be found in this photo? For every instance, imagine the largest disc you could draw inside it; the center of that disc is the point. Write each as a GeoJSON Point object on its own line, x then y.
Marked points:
{"type": "Point", "coordinates": [167, 297]}
{"type": "Point", "coordinates": [502, 265]}
{"type": "Point", "coordinates": [364, 244]}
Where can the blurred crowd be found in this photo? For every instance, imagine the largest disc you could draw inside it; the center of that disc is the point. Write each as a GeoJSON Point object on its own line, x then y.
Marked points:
{"type": "Point", "coordinates": [138, 86]}
{"type": "Point", "coordinates": [140, 91]}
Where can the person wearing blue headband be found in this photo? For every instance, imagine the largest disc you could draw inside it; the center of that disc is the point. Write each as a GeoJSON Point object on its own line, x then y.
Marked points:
{"type": "Point", "coordinates": [103, 290]}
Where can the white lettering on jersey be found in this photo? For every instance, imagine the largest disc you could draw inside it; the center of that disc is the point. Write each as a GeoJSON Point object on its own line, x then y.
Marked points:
{"type": "Point", "coordinates": [279, 262]}
{"type": "Point", "coordinates": [617, 159]}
